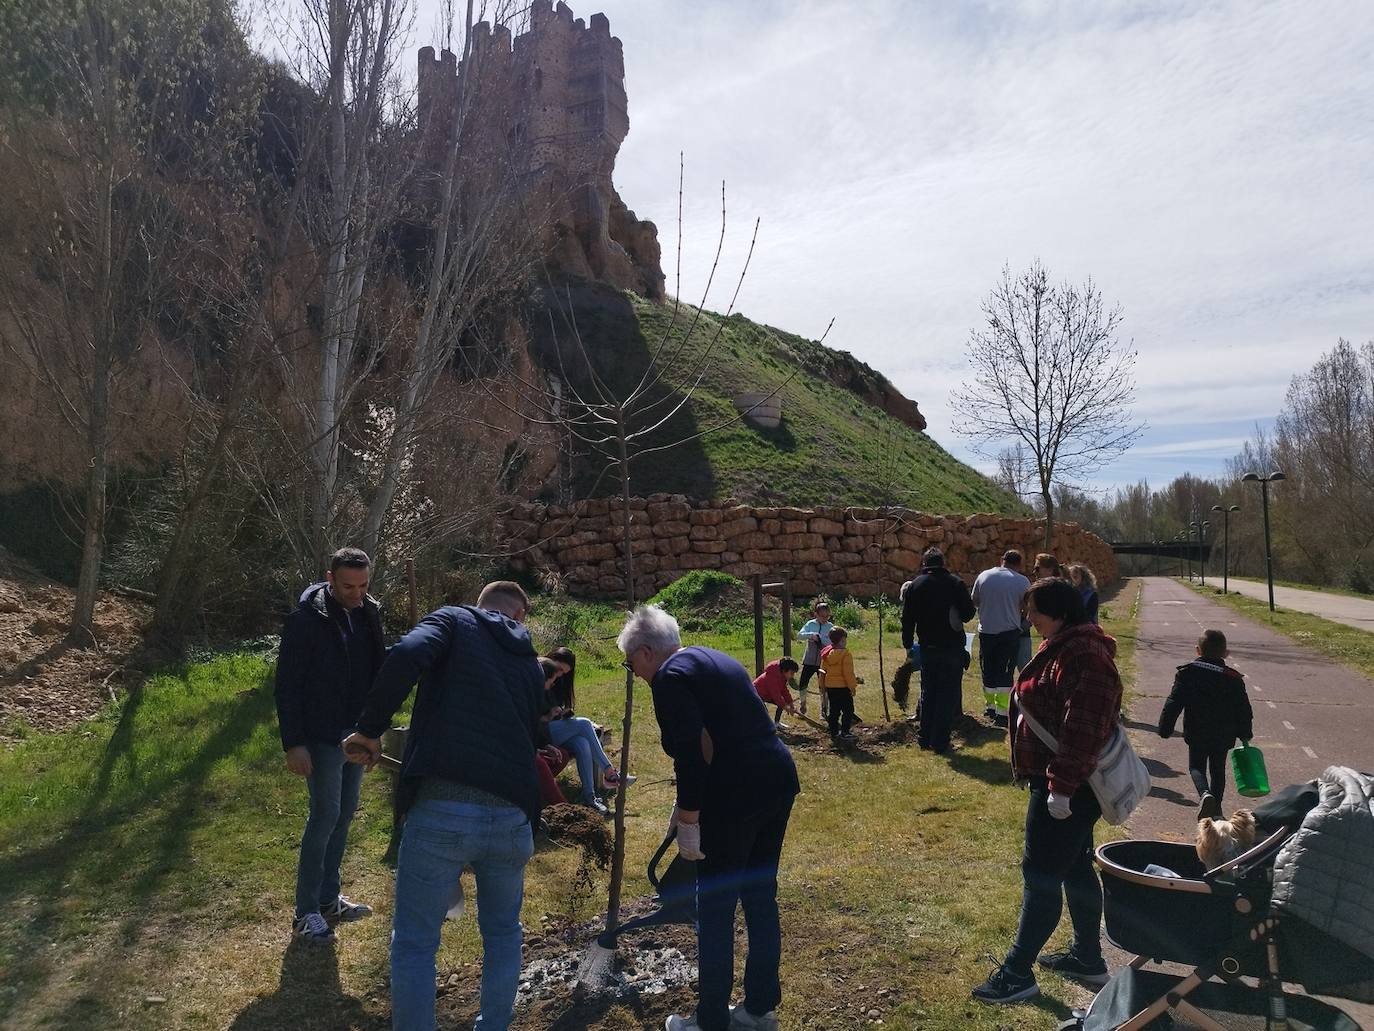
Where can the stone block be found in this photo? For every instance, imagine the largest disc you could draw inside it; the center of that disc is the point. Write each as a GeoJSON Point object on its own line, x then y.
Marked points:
{"type": "Point", "coordinates": [811, 556]}
{"type": "Point", "coordinates": [798, 541]}
{"type": "Point", "coordinates": [669, 510]}
{"type": "Point", "coordinates": [826, 527]}
{"type": "Point", "coordinates": [706, 517]}
{"type": "Point", "coordinates": [794, 526]}
{"type": "Point", "coordinates": [672, 528]}
{"type": "Point", "coordinates": [697, 560]}
{"type": "Point", "coordinates": [772, 527]}
{"type": "Point", "coordinates": [745, 541]}
{"type": "Point", "coordinates": [710, 547]}
{"type": "Point", "coordinates": [704, 533]}
{"type": "Point", "coordinates": [738, 527]}
{"type": "Point", "coordinates": [903, 559]}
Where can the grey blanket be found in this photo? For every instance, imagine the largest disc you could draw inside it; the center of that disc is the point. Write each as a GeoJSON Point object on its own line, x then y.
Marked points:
{"type": "Point", "coordinates": [1324, 874]}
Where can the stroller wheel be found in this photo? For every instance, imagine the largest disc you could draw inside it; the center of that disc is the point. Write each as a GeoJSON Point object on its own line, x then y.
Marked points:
{"type": "Point", "coordinates": [1074, 1023]}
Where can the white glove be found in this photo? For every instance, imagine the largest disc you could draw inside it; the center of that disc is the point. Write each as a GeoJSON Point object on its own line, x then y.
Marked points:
{"type": "Point", "coordinates": [689, 841]}
{"type": "Point", "coordinates": [1058, 806]}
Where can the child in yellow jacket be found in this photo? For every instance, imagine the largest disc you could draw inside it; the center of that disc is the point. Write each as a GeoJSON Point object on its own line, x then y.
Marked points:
{"type": "Point", "coordinates": [840, 683]}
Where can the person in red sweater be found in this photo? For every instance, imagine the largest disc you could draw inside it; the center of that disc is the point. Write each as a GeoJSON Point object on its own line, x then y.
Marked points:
{"type": "Point", "coordinates": [1072, 689]}
{"type": "Point", "coordinates": [772, 685]}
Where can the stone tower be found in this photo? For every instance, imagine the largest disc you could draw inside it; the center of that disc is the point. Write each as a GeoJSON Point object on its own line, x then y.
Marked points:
{"type": "Point", "coordinates": [553, 99]}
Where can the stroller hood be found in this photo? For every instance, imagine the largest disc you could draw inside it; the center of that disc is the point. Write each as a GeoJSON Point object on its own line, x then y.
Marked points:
{"type": "Point", "coordinates": [1323, 877]}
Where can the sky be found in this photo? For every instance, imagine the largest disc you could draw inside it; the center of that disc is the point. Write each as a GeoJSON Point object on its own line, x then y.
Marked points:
{"type": "Point", "coordinates": [1209, 165]}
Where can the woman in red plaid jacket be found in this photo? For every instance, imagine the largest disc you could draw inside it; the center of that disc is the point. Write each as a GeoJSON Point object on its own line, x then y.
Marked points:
{"type": "Point", "coordinates": [1073, 690]}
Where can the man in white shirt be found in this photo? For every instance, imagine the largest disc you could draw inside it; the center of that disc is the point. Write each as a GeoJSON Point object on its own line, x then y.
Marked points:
{"type": "Point", "coordinates": [998, 593]}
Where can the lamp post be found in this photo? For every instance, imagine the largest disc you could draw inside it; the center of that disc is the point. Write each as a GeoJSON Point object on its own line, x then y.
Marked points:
{"type": "Point", "coordinates": [1202, 549]}
{"type": "Point", "coordinates": [1178, 539]}
{"type": "Point", "coordinates": [1225, 543]}
{"type": "Point", "coordinates": [1264, 482]}
{"type": "Point", "coordinates": [1195, 525]}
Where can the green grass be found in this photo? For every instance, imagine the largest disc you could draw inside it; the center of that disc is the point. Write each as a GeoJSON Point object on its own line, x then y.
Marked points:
{"type": "Point", "coordinates": [1346, 644]}
{"type": "Point", "coordinates": [833, 448]}
{"type": "Point", "coordinates": [152, 853]}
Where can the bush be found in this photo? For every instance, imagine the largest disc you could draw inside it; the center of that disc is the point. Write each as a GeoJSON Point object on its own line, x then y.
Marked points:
{"type": "Point", "coordinates": [699, 589]}
{"type": "Point", "coordinates": [849, 614]}
{"type": "Point", "coordinates": [1359, 580]}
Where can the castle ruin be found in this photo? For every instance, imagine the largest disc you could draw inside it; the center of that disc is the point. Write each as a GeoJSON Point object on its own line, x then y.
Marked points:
{"type": "Point", "coordinates": [555, 96]}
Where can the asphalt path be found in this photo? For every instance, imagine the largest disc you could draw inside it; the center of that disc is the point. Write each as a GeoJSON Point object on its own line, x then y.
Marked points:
{"type": "Point", "coordinates": [1339, 608]}
{"type": "Point", "coordinates": [1310, 713]}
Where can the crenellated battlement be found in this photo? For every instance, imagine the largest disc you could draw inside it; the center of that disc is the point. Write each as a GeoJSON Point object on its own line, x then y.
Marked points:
{"type": "Point", "coordinates": [554, 97]}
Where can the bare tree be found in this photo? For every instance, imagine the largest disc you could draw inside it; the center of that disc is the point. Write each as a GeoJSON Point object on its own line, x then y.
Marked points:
{"type": "Point", "coordinates": [106, 122]}
{"type": "Point", "coordinates": [1048, 372]}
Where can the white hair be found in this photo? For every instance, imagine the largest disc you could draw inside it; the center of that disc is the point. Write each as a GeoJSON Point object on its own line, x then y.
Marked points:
{"type": "Point", "coordinates": [649, 627]}
{"type": "Point", "coordinates": [901, 595]}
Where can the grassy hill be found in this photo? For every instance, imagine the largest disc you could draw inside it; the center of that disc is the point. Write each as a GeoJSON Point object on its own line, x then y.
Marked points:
{"type": "Point", "coordinates": [833, 446]}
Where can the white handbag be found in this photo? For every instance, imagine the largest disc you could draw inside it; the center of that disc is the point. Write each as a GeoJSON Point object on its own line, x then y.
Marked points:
{"type": "Point", "coordinates": [1120, 780]}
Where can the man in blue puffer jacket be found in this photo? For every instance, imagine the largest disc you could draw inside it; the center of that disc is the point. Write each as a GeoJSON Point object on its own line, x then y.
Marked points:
{"type": "Point", "coordinates": [330, 649]}
{"type": "Point", "coordinates": [469, 764]}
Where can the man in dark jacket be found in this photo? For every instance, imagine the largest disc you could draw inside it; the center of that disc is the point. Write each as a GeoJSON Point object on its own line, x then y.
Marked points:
{"type": "Point", "coordinates": [469, 762]}
{"type": "Point", "coordinates": [736, 782]}
{"type": "Point", "coordinates": [1216, 711]}
{"type": "Point", "coordinates": [330, 649]}
{"type": "Point", "coordinates": [936, 607]}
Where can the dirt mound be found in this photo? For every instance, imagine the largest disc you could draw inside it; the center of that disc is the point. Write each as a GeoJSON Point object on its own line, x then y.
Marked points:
{"type": "Point", "coordinates": [886, 735]}
{"type": "Point", "coordinates": [581, 827]}
{"type": "Point", "coordinates": [45, 683]}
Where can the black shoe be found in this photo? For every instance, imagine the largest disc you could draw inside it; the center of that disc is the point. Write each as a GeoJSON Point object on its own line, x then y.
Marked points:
{"type": "Point", "coordinates": [1209, 808]}
{"type": "Point", "coordinates": [1069, 965]}
{"type": "Point", "coordinates": [1003, 986]}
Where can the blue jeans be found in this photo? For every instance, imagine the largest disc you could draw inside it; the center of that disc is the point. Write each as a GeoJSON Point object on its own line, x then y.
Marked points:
{"type": "Point", "coordinates": [333, 784]}
{"type": "Point", "coordinates": [578, 735]}
{"type": "Point", "coordinates": [740, 869]}
{"type": "Point", "coordinates": [440, 837]}
{"type": "Point", "coordinates": [1057, 864]}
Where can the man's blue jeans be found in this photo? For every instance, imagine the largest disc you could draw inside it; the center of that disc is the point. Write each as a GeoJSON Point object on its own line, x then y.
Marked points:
{"type": "Point", "coordinates": [333, 783]}
{"type": "Point", "coordinates": [441, 837]}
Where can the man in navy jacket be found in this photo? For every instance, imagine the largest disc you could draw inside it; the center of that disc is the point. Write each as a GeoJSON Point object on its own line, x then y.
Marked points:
{"type": "Point", "coordinates": [469, 764]}
{"type": "Point", "coordinates": [330, 649]}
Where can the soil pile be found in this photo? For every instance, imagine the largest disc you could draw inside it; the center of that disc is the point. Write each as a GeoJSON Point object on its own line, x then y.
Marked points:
{"type": "Point", "coordinates": [45, 683]}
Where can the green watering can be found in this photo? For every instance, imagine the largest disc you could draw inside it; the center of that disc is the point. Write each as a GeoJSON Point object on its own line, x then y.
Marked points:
{"type": "Point", "coordinates": [1247, 764]}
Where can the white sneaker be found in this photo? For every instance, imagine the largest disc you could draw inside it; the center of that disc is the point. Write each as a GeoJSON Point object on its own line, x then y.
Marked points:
{"type": "Point", "coordinates": [676, 1023]}
{"type": "Point", "coordinates": [742, 1020]}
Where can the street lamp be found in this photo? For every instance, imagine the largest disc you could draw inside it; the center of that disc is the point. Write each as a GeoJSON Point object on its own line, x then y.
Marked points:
{"type": "Point", "coordinates": [1264, 482]}
{"type": "Point", "coordinates": [1178, 539]}
{"type": "Point", "coordinates": [1225, 543]}
{"type": "Point", "coordinates": [1197, 526]}
{"type": "Point", "coordinates": [1202, 549]}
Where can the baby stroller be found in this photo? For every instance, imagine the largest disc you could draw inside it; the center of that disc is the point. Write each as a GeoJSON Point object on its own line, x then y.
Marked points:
{"type": "Point", "coordinates": [1237, 947]}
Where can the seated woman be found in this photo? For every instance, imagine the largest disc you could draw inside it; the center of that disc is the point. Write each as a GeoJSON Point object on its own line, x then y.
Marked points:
{"type": "Point", "coordinates": [577, 734]}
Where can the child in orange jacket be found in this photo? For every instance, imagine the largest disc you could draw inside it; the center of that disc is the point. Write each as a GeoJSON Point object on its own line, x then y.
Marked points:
{"type": "Point", "coordinates": [840, 684]}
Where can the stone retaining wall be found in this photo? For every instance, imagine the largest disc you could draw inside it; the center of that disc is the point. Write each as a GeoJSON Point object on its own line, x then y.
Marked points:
{"type": "Point", "coordinates": [835, 551]}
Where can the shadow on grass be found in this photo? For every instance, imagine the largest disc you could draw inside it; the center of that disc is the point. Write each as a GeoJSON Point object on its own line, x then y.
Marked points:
{"type": "Point", "coordinates": [131, 877]}
{"type": "Point", "coordinates": [309, 995]}
{"type": "Point", "coordinates": [989, 771]}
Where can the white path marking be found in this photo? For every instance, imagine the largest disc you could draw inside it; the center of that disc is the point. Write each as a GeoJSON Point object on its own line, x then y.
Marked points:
{"type": "Point", "coordinates": [1270, 704]}
{"type": "Point", "coordinates": [1310, 754]}
{"type": "Point", "coordinates": [1257, 687]}
{"type": "Point", "coordinates": [1289, 725]}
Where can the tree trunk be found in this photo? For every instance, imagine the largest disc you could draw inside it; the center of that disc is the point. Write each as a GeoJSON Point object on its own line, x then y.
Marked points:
{"type": "Point", "coordinates": [82, 631]}
{"type": "Point", "coordinates": [1049, 518]}
{"type": "Point", "coordinates": [618, 852]}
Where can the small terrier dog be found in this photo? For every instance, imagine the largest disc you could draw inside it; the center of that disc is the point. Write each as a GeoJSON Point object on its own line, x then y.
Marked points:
{"type": "Point", "coordinates": [1219, 841]}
